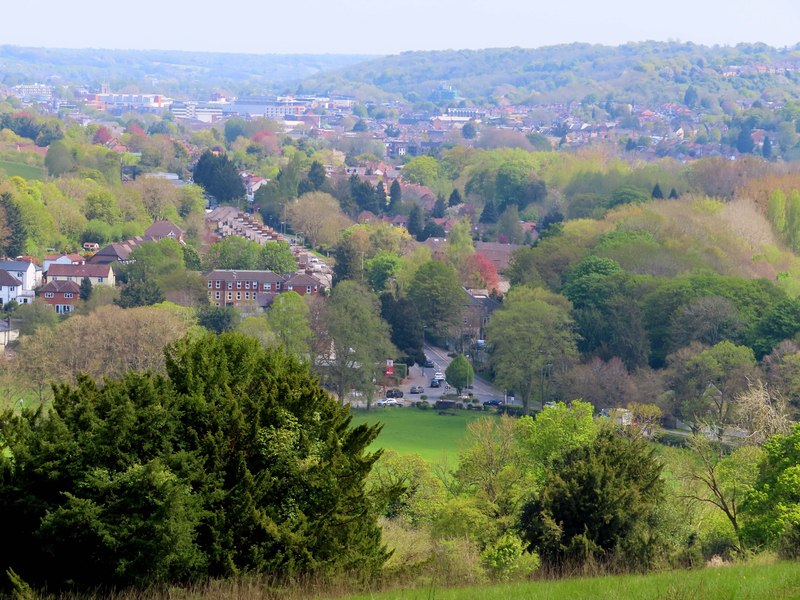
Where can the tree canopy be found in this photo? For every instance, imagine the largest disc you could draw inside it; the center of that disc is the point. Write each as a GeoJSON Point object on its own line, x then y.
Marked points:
{"type": "Point", "coordinates": [235, 461]}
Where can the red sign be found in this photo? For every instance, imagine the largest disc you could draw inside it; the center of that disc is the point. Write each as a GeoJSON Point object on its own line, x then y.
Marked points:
{"type": "Point", "coordinates": [389, 367]}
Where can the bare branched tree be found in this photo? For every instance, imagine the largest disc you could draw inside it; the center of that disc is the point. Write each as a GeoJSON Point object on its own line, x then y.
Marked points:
{"type": "Point", "coordinates": [762, 412]}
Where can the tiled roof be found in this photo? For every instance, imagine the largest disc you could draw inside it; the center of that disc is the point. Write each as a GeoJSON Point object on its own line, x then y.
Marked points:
{"type": "Point", "coordinates": [7, 278]}
{"type": "Point", "coordinates": [90, 270]}
{"type": "Point", "coordinates": [61, 286]}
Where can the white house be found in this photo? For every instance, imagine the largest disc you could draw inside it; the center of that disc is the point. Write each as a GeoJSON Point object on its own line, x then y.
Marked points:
{"type": "Point", "coordinates": [8, 333]}
{"type": "Point", "coordinates": [10, 287]}
{"type": "Point", "coordinates": [27, 273]}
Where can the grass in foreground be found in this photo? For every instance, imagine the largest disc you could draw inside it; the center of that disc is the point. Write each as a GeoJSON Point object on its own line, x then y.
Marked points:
{"type": "Point", "coordinates": [778, 581]}
{"type": "Point", "coordinates": [22, 170]}
{"type": "Point", "coordinates": [424, 432]}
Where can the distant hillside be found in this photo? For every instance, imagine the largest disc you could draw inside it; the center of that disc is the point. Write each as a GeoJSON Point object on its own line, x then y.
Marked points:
{"type": "Point", "coordinates": [170, 72]}
{"type": "Point", "coordinates": [659, 71]}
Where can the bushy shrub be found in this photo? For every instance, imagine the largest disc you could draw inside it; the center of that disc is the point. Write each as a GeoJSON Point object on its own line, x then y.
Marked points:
{"type": "Point", "coordinates": [507, 557]}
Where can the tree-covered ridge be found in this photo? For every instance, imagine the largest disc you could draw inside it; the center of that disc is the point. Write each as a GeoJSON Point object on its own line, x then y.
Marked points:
{"type": "Point", "coordinates": [650, 71]}
{"type": "Point", "coordinates": [177, 72]}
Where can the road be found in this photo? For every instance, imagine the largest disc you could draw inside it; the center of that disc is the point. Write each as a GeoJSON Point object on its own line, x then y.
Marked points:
{"type": "Point", "coordinates": [420, 376]}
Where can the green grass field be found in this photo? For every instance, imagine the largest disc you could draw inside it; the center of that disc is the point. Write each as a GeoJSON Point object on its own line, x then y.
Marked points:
{"type": "Point", "coordinates": [424, 432]}
{"type": "Point", "coordinates": [22, 170]}
{"type": "Point", "coordinates": [743, 582]}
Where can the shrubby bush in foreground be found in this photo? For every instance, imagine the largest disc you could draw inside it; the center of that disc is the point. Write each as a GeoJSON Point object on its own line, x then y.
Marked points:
{"type": "Point", "coordinates": [236, 461]}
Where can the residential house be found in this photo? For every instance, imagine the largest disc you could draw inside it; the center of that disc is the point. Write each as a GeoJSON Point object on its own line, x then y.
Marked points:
{"type": "Point", "coordinates": [61, 295]}
{"type": "Point", "coordinates": [8, 333]}
{"type": "Point", "coordinates": [10, 287]}
{"type": "Point", "coordinates": [232, 288]}
{"type": "Point", "coordinates": [98, 274]}
{"type": "Point", "coordinates": [303, 284]}
{"type": "Point", "coordinates": [63, 259]}
{"type": "Point", "coordinates": [116, 252]}
{"type": "Point", "coordinates": [164, 229]}
{"type": "Point", "coordinates": [27, 273]}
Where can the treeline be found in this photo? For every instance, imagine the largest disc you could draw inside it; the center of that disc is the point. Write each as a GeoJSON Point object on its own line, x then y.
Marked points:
{"type": "Point", "coordinates": [646, 71]}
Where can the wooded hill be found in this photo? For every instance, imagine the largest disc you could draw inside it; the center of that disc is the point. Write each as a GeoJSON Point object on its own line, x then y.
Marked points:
{"type": "Point", "coordinates": [646, 71]}
{"type": "Point", "coordinates": [173, 72]}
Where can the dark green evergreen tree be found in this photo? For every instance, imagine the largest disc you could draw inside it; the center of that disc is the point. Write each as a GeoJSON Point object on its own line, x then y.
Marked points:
{"type": "Point", "coordinates": [744, 141]}
{"type": "Point", "coordinates": [218, 319]}
{"type": "Point", "coordinates": [657, 193]}
{"type": "Point", "coordinates": [18, 233]}
{"type": "Point", "coordinates": [690, 98]}
{"type": "Point", "coordinates": [140, 292]}
{"type": "Point", "coordinates": [349, 261]}
{"type": "Point", "coordinates": [380, 198]}
{"type": "Point", "coordinates": [766, 149]}
{"type": "Point", "coordinates": [439, 207]}
{"type": "Point", "coordinates": [455, 198]}
{"type": "Point", "coordinates": [598, 503]}
{"type": "Point", "coordinates": [416, 221]}
{"type": "Point", "coordinates": [86, 289]}
{"type": "Point", "coordinates": [317, 175]}
{"type": "Point", "coordinates": [219, 177]}
{"type": "Point", "coordinates": [407, 332]}
{"type": "Point", "coordinates": [489, 214]}
{"type": "Point", "coordinates": [395, 197]}
{"type": "Point", "coordinates": [673, 194]}
{"type": "Point", "coordinates": [236, 461]}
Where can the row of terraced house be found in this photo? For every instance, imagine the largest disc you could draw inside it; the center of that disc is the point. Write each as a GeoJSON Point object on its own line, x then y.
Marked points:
{"type": "Point", "coordinates": [234, 288]}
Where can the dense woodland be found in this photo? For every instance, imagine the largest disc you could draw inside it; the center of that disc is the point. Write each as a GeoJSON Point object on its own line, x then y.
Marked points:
{"type": "Point", "coordinates": [184, 441]}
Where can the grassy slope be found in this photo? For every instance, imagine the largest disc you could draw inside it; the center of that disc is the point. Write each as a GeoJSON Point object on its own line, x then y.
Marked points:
{"type": "Point", "coordinates": [423, 432]}
{"type": "Point", "coordinates": [746, 582]}
{"type": "Point", "coordinates": [21, 170]}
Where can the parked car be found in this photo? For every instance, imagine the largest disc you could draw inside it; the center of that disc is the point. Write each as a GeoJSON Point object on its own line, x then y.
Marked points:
{"type": "Point", "coordinates": [388, 402]}
{"type": "Point", "coordinates": [435, 383]}
{"type": "Point", "coordinates": [394, 393]}
{"type": "Point", "coordinates": [428, 363]}
{"type": "Point", "coordinates": [438, 375]}
{"type": "Point", "coordinates": [417, 389]}
{"type": "Point", "coordinates": [493, 402]}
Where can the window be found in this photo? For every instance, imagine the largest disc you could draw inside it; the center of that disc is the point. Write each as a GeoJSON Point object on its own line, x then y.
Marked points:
{"type": "Point", "coordinates": [218, 284]}
{"type": "Point", "coordinates": [100, 279]}
{"type": "Point", "coordinates": [209, 284]}
{"type": "Point", "coordinates": [230, 296]}
{"type": "Point", "coordinates": [238, 285]}
{"type": "Point", "coordinates": [238, 295]}
{"type": "Point", "coordinates": [308, 289]}
{"type": "Point", "coordinates": [216, 296]}
{"type": "Point", "coordinates": [247, 285]}
{"type": "Point", "coordinates": [67, 294]}
{"type": "Point", "coordinates": [255, 285]}
{"type": "Point", "coordinates": [267, 286]}
{"type": "Point", "coordinates": [49, 295]}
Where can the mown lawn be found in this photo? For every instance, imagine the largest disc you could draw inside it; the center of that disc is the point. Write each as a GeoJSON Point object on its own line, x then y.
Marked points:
{"type": "Point", "coordinates": [746, 582]}
{"type": "Point", "coordinates": [21, 170]}
{"type": "Point", "coordinates": [424, 432]}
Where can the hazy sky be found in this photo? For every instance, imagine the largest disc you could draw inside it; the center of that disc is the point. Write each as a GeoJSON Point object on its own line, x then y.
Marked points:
{"type": "Point", "coordinates": [375, 27]}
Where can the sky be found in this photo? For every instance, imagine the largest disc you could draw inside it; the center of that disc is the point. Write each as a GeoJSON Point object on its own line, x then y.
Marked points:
{"type": "Point", "coordinates": [380, 27]}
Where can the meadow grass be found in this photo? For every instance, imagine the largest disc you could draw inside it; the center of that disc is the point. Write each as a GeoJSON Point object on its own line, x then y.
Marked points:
{"type": "Point", "coordinates": [409, 430]}
{"type": "Point", "coordinates": [22, 170]}
{"type": "Point", "coordinates": [739, 582]}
